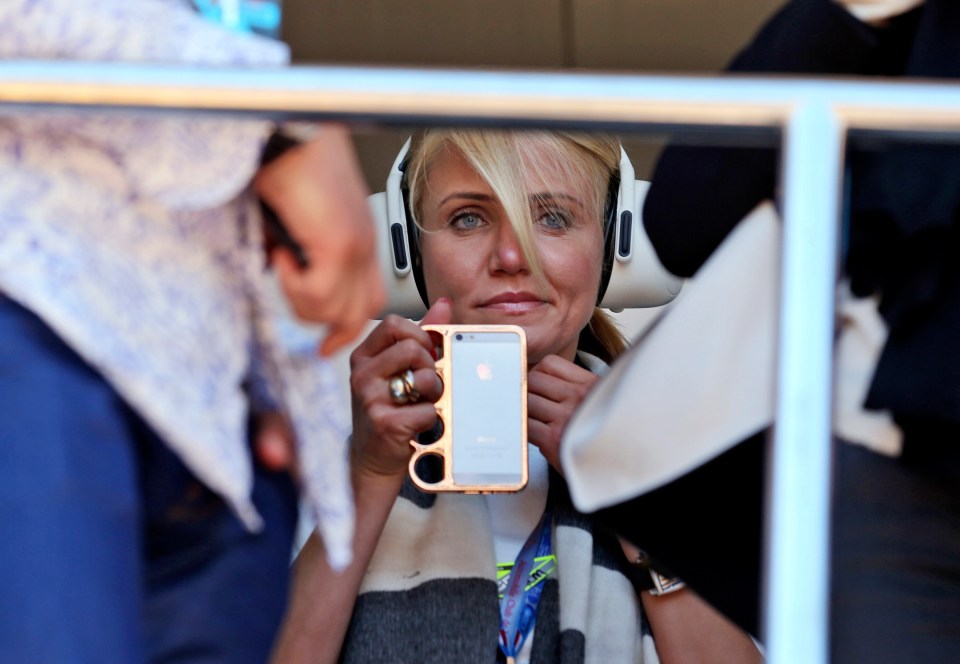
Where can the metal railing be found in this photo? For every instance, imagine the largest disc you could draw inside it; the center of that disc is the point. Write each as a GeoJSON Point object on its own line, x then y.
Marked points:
{"type": "Point", "coordinates": [814, 117]}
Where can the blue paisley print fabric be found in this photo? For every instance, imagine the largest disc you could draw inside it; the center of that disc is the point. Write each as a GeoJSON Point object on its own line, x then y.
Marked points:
{"type": "Point", "coordinates": [138, 240]}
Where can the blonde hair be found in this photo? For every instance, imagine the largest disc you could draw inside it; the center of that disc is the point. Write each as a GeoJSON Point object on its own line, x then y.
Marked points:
{"type": "Point", "coordinates": [504, 159]}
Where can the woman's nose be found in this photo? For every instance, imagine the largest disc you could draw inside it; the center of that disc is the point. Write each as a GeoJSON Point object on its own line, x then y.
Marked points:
{"type": "Point", "coordinates": [507, 256]}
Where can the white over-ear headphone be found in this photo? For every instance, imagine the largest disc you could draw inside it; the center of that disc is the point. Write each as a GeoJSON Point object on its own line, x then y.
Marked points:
{"type": "Point", "coordinates": [636, 277]}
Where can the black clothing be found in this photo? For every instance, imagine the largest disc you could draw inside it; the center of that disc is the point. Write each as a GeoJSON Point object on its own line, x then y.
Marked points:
{"type": "Point", "coordinates": [904, 234]}
{"type": "Point", "coordinates": [895, 559]}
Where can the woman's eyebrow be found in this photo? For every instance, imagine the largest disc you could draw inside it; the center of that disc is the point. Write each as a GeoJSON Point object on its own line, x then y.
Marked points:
{"type": "Point", "coordinates": [541, 197]}
{"type": "Point", "coordinates": [467, 195]}
{"type": "Point", "coordinates": [554, 195]}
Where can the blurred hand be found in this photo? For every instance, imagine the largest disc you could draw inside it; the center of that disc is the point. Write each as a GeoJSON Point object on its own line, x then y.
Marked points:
{"type": "Point", "coordinates": [555, 388]}
{"type": "Point", "coordinates": [382, 429]}
{"type": "Point", "coordinates": [876, 12]}
{"type": "Point", "coordinates": [319, 193]}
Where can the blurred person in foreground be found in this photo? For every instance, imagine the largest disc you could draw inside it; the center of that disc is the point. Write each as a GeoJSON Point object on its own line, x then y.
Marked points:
{"type": "Point", "coordinates": [143, 356]}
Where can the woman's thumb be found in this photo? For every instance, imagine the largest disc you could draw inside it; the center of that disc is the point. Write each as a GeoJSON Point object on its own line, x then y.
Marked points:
{"type": "Point", "coordinates": [439, 313]}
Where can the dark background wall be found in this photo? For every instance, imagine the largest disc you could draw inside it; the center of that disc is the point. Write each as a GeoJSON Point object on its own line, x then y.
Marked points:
{"type": "Point", "coordinates": [623, 35]}
{"type": "Point", "coordinates": [648, 35]}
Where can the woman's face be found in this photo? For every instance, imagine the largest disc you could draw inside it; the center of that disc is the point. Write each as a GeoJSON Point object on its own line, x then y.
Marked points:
{"type": "Point", "coordinates": [471, 254]}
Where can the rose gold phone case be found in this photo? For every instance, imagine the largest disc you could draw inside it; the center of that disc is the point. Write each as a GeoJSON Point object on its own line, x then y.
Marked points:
{"type": "Point", "coordinates": [443, 447]}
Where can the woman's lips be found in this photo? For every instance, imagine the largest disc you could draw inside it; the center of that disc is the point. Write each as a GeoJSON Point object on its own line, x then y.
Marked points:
{"type": "Point", "coordinates": [513, 302]}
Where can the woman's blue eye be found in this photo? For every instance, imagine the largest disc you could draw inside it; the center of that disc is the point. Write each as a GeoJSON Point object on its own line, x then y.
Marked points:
{"type": "Point", "coordinates": [467, 221]}
{"type": "Point", "coordinates": [554, 219]}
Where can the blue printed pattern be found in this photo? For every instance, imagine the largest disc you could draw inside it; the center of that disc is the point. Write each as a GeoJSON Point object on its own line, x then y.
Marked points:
{"type": "Point", "coordinates": [137, 240]}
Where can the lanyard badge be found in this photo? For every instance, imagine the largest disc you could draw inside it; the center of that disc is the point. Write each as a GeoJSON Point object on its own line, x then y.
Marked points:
{"type": "Point", "coordinates": [518, 606]}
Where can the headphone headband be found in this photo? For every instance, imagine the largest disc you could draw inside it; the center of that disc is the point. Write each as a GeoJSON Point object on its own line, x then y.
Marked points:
{"type": "Point", "coordinates": [632, 275]}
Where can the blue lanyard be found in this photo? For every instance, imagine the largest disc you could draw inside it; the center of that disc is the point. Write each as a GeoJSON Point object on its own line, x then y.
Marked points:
{"type": "Point", "coordinates": [518, 608]}
{"type": "Point", "coordinates": [543, 566]}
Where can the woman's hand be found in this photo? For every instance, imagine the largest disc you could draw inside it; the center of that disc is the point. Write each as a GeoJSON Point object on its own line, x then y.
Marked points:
{"type": "Point", "coordinates": [555, 387]}
{"type": "Point", "coordinates": [382, 429]}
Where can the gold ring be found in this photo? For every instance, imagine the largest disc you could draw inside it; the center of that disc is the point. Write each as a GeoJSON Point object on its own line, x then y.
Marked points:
{"type": "Point", "coordinates": [402, 388]}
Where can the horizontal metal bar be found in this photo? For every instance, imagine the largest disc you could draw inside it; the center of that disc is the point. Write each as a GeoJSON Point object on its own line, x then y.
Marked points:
{"type": "Point", "coordinates": [509, 97]}
{"type": "Point", "coordinates": [815, 113]}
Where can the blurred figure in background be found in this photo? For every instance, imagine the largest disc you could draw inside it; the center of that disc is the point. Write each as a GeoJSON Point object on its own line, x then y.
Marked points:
{"type": "Point", "coordinates": [896, 534]}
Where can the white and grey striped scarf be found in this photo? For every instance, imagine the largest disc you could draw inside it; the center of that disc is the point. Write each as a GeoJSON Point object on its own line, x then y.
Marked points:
{"type": "Point", "coordinates": [430, 592]}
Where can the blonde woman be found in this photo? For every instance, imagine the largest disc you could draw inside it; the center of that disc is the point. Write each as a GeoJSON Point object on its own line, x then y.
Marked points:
{"type": "Point", "coordinates": [511, 231]}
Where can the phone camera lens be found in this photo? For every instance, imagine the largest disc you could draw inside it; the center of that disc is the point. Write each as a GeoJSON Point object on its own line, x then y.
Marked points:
{"type": "Point", "coordinates": [459, 337]}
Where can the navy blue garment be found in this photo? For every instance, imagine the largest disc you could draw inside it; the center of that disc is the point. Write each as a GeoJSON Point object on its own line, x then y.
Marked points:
{"type": "Point", "coordinates": [110, 549]}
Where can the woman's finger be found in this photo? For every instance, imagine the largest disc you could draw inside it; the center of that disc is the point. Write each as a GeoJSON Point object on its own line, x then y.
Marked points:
{"type": "Point", "coordinates": [440, 312]}
{"type": "Point", "coordinates": [428, 384]}
{"type": "Point", "coordinates": [392, 330]}
{"type": "Point", "coordinates": [546, 410]}
{"type": "Point", "coordinates": [400, 424]}
{"type": "Point", "coordinates": [382, 435]}
{"type": "Point", "coordinates": [371, 375]}
{"type": "Point", "coordinates": [571, 387]}
{"type": "Point", "coordinates": [543, 437]}
{"type": "Point", "coordinates": [555, 365]}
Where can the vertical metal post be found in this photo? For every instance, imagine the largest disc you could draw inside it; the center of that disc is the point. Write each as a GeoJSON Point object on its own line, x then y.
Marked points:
{"type": "Point", "coordinates": [796, 620]}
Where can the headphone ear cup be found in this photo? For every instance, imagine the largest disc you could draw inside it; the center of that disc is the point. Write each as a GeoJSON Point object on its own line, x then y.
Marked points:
{"type": "Point", "coordinates": [398, 245]}
{"type": "Point", "coordinates": [637, 278]}
{"type": "Point", "coordinates": [611, 211]}
{"type": "Point", "coordinates": [413, 242]}
{"type": "Point", "coordinates": [393, 251]}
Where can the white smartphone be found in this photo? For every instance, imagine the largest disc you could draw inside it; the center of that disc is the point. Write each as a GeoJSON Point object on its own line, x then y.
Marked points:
{"type": "Point", "coordinates": [488, 417]}
{"type": "Point", "coordinates": [483, 409]}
